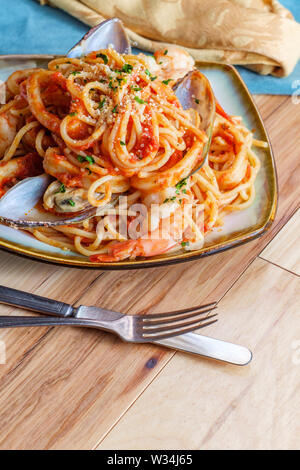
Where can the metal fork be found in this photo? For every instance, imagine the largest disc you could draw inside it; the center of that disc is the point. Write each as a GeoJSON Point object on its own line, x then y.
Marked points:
{"type": "Point", "coordinates": [131, 328]}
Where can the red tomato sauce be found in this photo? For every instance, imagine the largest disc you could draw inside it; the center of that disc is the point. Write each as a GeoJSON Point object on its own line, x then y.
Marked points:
{"type": "Point", "coordinates": [176, 156]}
{"type": "Point", "coordinates": [78, 130]}
{"type": "Point", "coordinates": [70, 181]}
{"type": "Point", "coordinates": [147, 143]}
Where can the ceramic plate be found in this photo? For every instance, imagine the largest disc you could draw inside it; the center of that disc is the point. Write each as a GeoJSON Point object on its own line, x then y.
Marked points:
{"type": "Point", "coordinates": [239, 227]}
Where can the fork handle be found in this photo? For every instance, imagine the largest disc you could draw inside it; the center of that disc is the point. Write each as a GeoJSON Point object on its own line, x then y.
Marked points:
{"type": "Point", "coordinates": [16, 322]}
{"type": "Point", "coordinates": [34, 302]}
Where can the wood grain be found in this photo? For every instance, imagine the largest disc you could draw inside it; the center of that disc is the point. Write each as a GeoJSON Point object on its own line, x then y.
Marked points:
{"type": "Point", "coordinates": [104, 375]}
{"type": "Point", "coordinates": [203, 405]}
{"type": "Point", "coordinates": [284, 249]}
{"type": "Point", "coordinates": [44, 279]}
{"type": "Point", "coordinates": [268, 104]}
{"type": "Point", "coordinates": [67, 388]}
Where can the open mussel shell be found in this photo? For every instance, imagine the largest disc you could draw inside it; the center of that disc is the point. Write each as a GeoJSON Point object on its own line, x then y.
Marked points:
{"type": "Point", "coordinates": [194, 91]}
{"type": "Point", "coordinates": [108, 33]}
{"type": "Point", "coordinates": [68, 200]}
{"type": "Point", "coordinates": [21, 206]}
{"type": "Point", "coordinates": [19, 202]}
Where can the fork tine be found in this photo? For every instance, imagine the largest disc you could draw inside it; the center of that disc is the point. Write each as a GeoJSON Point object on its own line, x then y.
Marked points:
{"type": "Point", "coordinates": [178, 318]}
{"type": "Point", "coordinates": [178, 312]}
{"type": "Point", "coordinates": [177, 326]}
{"type": "Point", "coordinates": [158, 337]}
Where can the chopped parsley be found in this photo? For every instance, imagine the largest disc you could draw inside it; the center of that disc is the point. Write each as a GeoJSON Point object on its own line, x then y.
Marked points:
{"type": "Point", "coordinates": [122, 143]}
{"type": "Point", "coordinates": [166, 52]}
{"type": "Point", "coordinates": [197, 101]}
{"type": "Point", "coordinates": [101, 104]}
{"type": "Point", "coordinates": [183, 244]}
{"type": "Point", "coordinates": [139, 100]}
{"type": "Point", "coordinates": [115, 109]}
{"type": "Point", "coordinates": [166, 82]}
{"type": "Point", "coordinates": [149, 75]}
{"type": "Point", "coordinates": [127, 68]}
{"type": "Point", "coordinates": [70, 202]}
{"type": "Point", "coordinates": [61, 189]}
{"type": "Point", "coordinates": [73, 114]}
{"type": "Point", "coordinates": [85, 158]}
{"type": "Point", "coordinates": [170, 199]}
{"type": "Point", "coordinates": [181, 183]}
{"type": "Point", "coordinates": [103, 57]}
{"type": "Point", "coordinates": [110, 84]}
{"type": "Point", "coordinates": [76, 72]}
{"type": "Point", "coordinates": [89, 159]}
{"type": "Point", "coordinates": [137, 88]}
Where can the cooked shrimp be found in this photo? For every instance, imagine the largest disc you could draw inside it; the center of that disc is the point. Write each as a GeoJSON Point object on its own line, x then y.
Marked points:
{"type": "Point", "coordinates": [132, 248]}
{"type": "Point", "coordinates": [17, 169]}
{"type": "Point", "coordinates": [174, 62]}
{"type": "Point", "coordinates": [153, 67]}
{"type": "Point", "coordinates": [78, 176]}
{"type": "Point", "coordinates": [159, 241]}
{"type": "Point", "coordinates": [8, 130]}
{"type": "Point", "coordinates": [58, 165]}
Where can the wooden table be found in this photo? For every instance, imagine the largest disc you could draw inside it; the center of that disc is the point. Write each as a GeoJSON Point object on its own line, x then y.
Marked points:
{"type": "Point", "coordinates": [80, 389]}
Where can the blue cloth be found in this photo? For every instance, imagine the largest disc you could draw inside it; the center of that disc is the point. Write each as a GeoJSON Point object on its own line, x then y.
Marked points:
{"type": "Point", "coordinates": [26, 27]}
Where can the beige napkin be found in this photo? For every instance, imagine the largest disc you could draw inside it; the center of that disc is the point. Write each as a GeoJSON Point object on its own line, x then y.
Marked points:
{"type": "Point", "coordinates": [260, 34]}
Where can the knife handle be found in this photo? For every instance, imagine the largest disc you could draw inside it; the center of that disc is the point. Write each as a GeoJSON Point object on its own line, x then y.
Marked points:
{"type": "Point", "coordinates": [209, 347]}
{"type": "Point", "coordinates": [34, 302]}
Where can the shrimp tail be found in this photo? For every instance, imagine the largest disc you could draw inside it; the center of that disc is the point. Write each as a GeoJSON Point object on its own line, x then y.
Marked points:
{"type": "Point", "coordinates": [132, 248]}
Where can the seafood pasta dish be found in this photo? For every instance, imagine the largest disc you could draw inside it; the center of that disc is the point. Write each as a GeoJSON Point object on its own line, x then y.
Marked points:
{"type": "Point", "coordinates": [112, 134]}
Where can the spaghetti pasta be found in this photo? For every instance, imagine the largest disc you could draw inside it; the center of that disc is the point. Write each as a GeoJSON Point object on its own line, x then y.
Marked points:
{"type": "Point", "coordinates": [111, 124]}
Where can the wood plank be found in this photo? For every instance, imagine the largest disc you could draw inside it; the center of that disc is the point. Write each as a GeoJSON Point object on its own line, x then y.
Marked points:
{"type": "Point", "coordinates": [268, 104]}
{"type": "Point", "coordinates": [50, 401]}
{"type": "Point", "coordinates": [282, 127]}
{"type": "Point", "coordinates": [44, 279]}
{"type": "Point", "coordinates": [73, 400]}
{"type": "Point", "coordinates": [199, 404]}
{"type": "Point", "coordinates": [284, 249]}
